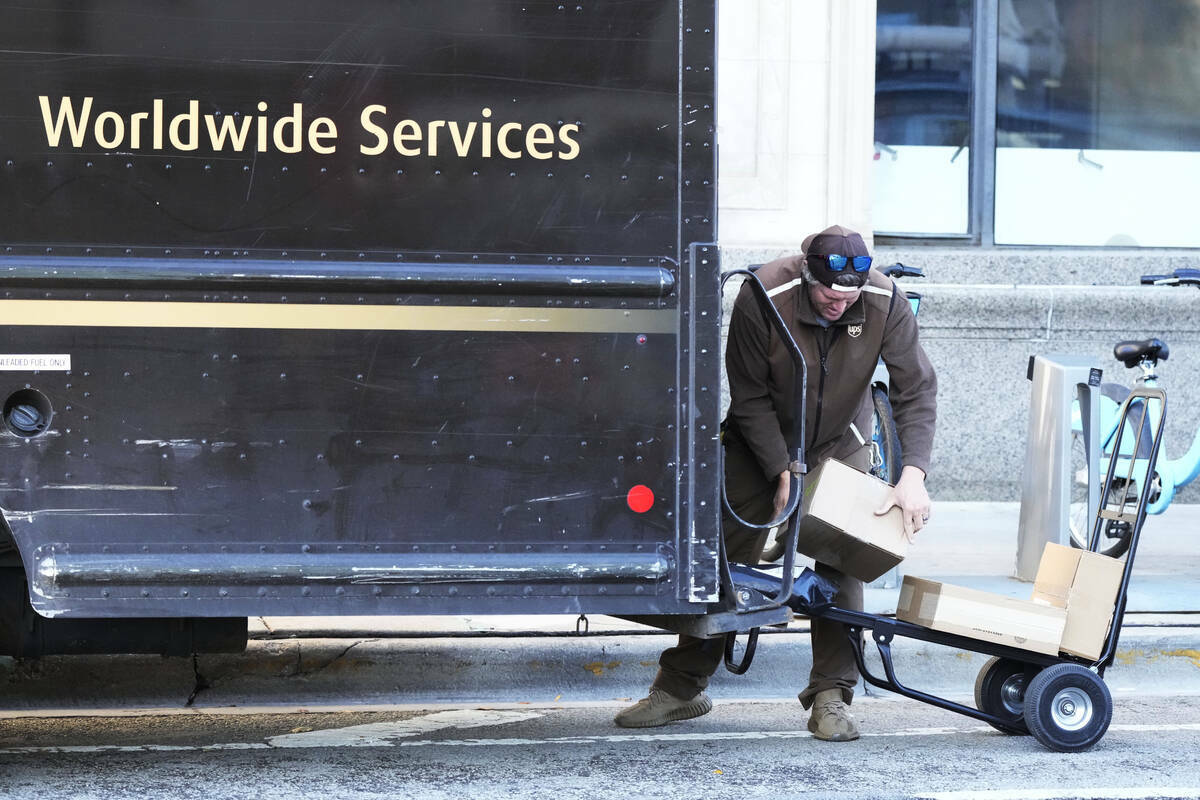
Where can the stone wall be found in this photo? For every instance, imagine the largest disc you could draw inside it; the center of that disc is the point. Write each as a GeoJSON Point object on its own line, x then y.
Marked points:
{"type": "Point", "coordinates": [985, 312]}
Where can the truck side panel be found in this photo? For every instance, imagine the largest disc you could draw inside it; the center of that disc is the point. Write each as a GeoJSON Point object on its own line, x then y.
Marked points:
{"type": "Point", "coordinates": [423, 344]}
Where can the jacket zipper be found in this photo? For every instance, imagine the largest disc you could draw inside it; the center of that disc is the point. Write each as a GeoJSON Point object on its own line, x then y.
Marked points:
{"type": "Point", "coordinates": [824, 344]}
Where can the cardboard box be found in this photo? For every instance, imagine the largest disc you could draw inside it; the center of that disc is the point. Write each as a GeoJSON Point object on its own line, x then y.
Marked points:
{"type": "Point", "coordinates": [1071, 610]}
{"type": "Point", "coordinates": [981, 615]}
{"type": "Point", "coordinates": [1086, 585]}
{"type": "Point", "coordinates": [839, 526]}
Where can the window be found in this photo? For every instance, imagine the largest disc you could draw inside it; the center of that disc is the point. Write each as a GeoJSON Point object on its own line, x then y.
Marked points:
{"type": "Point", "coordinates": [922, 116]}
{"type": "Point", "coordinates": [1098, 123]}
{"type": "Point", "coordinates": [1092, 107]}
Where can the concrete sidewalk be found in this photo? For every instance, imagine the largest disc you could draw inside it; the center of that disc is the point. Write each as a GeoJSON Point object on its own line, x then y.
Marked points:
{"type": "Point", "coordinates": [390, 661]}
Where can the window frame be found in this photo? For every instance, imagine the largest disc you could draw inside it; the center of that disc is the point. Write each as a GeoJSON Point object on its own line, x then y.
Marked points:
{"type": "Point", "coordinates": [981, 185]}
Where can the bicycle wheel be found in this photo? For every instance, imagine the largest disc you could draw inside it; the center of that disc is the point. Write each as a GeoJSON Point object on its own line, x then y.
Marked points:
{"type": "Point", "coordinates": [884, 438]}
{"type": "Point", "coordinates": [1114, 535]}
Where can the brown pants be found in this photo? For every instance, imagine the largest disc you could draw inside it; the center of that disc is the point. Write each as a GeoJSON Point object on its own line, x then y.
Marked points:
{"type": "Point", "coordinates": [684, 670]}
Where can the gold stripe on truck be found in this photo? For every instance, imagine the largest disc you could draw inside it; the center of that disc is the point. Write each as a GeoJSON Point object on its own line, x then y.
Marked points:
{"type": "Point", "coordinates": [289, 316]}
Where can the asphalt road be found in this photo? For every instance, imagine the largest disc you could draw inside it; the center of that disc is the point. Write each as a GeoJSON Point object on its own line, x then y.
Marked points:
{"type": "Point", "coordinates": [742, 749]}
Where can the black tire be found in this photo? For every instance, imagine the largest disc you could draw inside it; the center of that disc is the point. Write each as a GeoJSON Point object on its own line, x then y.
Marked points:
{"type": "Point", "coordinates": [1000, 691]}
{"type": "Point", "coordinates": [884, 436]}
{"type": "Point", "coordinates": [1067, 708]}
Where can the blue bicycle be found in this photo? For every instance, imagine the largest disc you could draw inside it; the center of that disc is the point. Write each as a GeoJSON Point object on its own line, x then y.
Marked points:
{"type": "Point", "coordinates": [1168, 476]}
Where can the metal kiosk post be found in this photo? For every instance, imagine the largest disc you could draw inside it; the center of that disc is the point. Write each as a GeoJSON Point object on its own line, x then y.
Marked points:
{"type": "Point", "coordinates": [1059, 381]}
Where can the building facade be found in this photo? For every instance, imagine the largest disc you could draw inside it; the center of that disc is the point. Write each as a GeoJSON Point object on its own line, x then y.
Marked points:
{"type": "Point", "coordinates": [1035, 157]}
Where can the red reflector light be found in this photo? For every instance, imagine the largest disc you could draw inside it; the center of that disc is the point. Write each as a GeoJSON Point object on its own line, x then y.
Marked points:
{"type": "Point", "coordinates": [640, 499]}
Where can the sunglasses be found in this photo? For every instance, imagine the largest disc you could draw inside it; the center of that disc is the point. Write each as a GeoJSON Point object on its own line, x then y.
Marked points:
{"type": "Point", "coordinates": [838, 263]}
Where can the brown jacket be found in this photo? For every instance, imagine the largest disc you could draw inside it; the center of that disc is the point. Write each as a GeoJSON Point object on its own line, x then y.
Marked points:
{"type": "Point", "coordinates": [840, 359]}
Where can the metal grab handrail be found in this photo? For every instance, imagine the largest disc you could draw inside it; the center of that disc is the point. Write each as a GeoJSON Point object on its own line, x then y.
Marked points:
{"type": "Point", "coordinates": [796, 448]}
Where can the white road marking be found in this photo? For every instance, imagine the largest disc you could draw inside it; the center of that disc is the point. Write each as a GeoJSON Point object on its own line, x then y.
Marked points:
{"type": "Point", "coordinates": [1182, 726]}
{"type": "Point", "coordinates": [381, 734]}
{"type": "Point", "coordinates": [396, 734]}
{"type": "Point", "coordinates": [1062, 794]}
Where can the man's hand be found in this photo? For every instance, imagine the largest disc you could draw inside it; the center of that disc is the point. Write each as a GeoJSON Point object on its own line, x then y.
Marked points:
{"type": "Point", "coordinates": [910, 497]}
{"type": "Point", "coordinates": [783, 491]}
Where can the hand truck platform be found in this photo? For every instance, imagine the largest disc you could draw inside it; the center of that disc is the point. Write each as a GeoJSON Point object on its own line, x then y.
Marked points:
{"type": "Point", "coordinates": [1061, 700]}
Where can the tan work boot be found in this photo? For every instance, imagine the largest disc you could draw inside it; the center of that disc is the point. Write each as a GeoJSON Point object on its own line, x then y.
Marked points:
{"type": "Point", "coordinates": [831, 719]}
{"type": "Point", "coordinates": [661, 707]}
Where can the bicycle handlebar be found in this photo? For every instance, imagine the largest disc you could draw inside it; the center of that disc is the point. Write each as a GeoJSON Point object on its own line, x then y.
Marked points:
{"type": "Point", "coordinates": [1180, 277]}
{"type": "Point", "coordinates": [899, 270]}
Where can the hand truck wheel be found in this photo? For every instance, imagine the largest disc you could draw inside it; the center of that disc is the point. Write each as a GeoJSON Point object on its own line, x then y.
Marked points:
{"type": "Point", "coordinates": [1067, 707]}
{"type": "Point", "coordinates": [1000, 691]}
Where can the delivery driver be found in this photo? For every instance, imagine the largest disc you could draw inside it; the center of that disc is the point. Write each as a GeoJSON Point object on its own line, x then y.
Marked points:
{"type": "Point", "coordinates": [844, 317]}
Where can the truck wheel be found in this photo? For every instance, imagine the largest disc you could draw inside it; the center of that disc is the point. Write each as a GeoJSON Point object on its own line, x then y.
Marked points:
{"type": "Point", "coordinates": [1067, 708]}
{"type": "Point", "coordinates": [1000, 691]}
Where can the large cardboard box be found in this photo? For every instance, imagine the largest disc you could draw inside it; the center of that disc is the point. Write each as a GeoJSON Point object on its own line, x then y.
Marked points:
{"type": "Point", "coordinates": [1071, 610]}
{"type": "Point", "coordinates": [981, 615]}
{"type": "Point", "coordinates": [1086, 585]}
{"type": "Point", "coordinates": [839, 526]}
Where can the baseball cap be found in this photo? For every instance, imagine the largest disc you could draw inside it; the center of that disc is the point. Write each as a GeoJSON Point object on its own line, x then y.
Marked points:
{"type": "Point", "coordinates": [847, 274]}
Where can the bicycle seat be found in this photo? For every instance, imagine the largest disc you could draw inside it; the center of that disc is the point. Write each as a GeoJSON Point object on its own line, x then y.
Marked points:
{"type": "Point", "coordinates": [899, 270]}
{"type": "Point", "coordinates": [1130, 353]}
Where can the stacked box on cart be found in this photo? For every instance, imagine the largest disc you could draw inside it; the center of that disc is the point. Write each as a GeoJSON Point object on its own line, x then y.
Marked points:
{"type": "Point", "coordinates": [1070, 611]}
{"type": "Point", "coordinates": [1086, 585]}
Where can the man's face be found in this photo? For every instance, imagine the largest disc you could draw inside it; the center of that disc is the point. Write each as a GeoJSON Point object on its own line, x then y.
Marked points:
{"type": "Point", "coordinates": [830, 303]}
